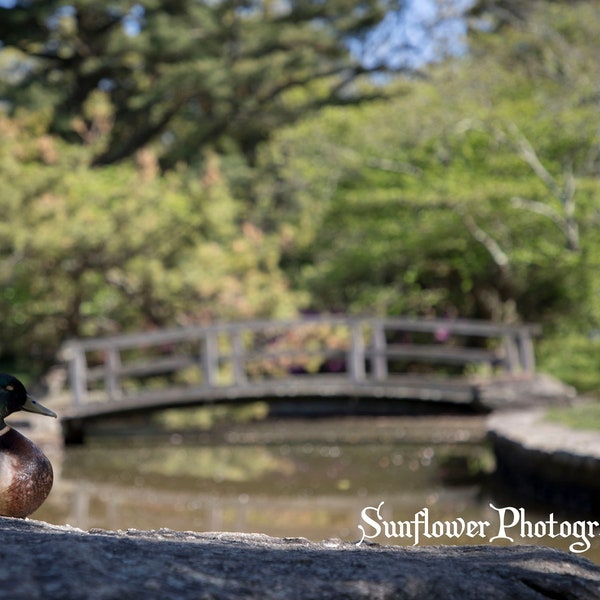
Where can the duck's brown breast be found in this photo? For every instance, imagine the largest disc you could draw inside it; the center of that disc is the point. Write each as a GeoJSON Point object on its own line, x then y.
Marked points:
{"type": "Point", "coordinates": [25, 475]}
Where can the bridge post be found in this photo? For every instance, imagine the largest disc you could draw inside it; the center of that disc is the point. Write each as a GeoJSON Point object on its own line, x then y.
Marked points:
{"type": "Point", "coordinates": [78, 374]}
{"type": "Point", "coordinates": [512, 360]}
{"type": "Point", "coordinates": [210, 358]}
{"type": "Point", "coordinates": [356, 353]}
{"type": "Point", "coordinates": [526, 353]}
{"type": "Point", "coordinates": [378, 354]}
{"type": "Point", "coordinates": [519, 353]}
{"type": "Point", "coordinates": [238, 357]}
{"type": "Point", "coordinates": [111, 378]}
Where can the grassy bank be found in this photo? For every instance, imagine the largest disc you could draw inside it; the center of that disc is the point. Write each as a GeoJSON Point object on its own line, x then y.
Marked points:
{"type": "Point", "coordinates": [581, 416]}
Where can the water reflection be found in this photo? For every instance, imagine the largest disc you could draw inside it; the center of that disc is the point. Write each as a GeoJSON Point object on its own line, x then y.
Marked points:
{"type": "Point", "coordinates": [294, 485]}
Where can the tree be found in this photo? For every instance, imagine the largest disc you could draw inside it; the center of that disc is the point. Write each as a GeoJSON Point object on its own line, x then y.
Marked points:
{"type": "Point", "coordinates": [186, 75]}
{"type": "Point", "coordinates": [87, 252]}
{"type": "Point", "coordinates": [474, 193]}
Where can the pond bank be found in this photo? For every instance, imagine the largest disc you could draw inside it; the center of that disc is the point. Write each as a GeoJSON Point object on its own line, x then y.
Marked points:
{"type": "Point", "coordinates": [546, 461]}
{"type": "Point", "coordinates": [53, 562]}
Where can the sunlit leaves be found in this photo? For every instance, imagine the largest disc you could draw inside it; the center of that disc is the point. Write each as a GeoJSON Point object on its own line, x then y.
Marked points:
{"type": "Point", "coordinates": [185, 75]}
{"type": "Point", "coordinates": [93, 251]}
{"type": "Point", "coordinates": [469, 194]}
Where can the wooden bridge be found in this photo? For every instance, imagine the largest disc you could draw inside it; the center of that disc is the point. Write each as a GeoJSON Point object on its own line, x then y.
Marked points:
{"type": "Point", "coordinates": [314, 358]}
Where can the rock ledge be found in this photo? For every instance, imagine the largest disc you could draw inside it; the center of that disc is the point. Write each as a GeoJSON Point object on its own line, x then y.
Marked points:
{"type": "Point", "coordinates": [45, 561]}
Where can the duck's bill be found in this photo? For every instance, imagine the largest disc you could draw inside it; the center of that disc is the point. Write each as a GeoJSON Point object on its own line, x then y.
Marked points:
{"type": "Point", "coordinates": [33, 406]}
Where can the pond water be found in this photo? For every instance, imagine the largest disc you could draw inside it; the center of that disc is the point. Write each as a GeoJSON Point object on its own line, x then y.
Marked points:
{"type": "Point", "coordinates": [301, 478]}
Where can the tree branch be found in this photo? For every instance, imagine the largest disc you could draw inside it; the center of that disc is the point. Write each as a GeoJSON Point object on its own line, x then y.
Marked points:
{"type": "Point", "coordinates": [487, 241]}
{"type": "Point", "coordinates": [530, 156]}
{"type": "Point", "coordinates": [392, 166]}
{"type": "Point", "coordinates": [566, 222]}
{"type": "Point", "coordinates": [494, 249]}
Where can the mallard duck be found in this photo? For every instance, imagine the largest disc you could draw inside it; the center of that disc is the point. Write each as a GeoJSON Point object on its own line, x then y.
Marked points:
{"type": "Point", "coordinates": [25, 472]}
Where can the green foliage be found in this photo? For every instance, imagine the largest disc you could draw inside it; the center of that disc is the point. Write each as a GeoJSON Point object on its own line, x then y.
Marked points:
{"type": "Point", "coordinates": [473, 193]}
{"type": "Point", "coordinates": [93, 251]}
{"type": "Point", "coordinates": [188, 74]}
{"type": "Point", "coordinates": [582, 416]}
{"type": "Point", "coordinates": [572, 356]}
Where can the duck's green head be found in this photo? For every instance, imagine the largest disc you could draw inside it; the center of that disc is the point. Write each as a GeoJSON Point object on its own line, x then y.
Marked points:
{"type": "Point", "coordinates": [14, 397]}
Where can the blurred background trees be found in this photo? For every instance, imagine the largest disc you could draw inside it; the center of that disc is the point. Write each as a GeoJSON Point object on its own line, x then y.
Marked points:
{"type": "Point", "coordinates": [177, 162]}
{"type": "Point", "coordinates": [184, 75]}
{"type": "Point", "coordinates": [92, 251]}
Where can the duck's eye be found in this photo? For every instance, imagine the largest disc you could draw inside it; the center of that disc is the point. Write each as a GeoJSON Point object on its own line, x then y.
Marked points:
{"type": "Point", "coordinates": [9, 388]}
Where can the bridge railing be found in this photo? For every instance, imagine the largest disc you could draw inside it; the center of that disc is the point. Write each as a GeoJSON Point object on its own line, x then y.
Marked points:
{"type": "Point", "coordinates": [239, 354]}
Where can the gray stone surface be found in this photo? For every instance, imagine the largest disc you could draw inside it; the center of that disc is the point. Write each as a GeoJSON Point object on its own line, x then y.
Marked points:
{"type": "Point", "coordinates": [51, 562]}
{"type": "Point", "coordinates": [523, 391]}
{"type": "Point", "coordinates": [532, 430]}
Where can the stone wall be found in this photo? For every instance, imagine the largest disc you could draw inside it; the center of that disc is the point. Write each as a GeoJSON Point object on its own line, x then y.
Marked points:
{"type": "Point", "coordinates": [546, 461]}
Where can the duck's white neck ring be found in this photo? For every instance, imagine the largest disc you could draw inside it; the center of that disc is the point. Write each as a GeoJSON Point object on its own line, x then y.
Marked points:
{"type": "Point", "coordinates": [5, 430]}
